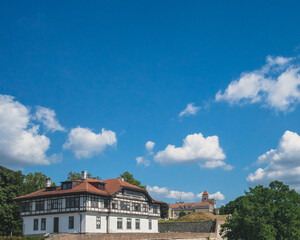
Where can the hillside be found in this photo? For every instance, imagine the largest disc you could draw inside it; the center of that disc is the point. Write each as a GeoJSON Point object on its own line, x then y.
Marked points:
{"type": "Point", "coordinates": [197, 217]}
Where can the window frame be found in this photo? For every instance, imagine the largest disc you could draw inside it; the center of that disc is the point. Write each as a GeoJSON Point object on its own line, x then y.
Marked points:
{"type": "Point", "coordinates": [129, 223]}
{"type": "Point", "coordinates": [119, 223]}
{"type": "Point", "coordinates": [35, 224]}
{"type": "Point", "coordinates": [43, 224]}
{"type": "Point", "coordinates": [98, 222]}
{"type": "Point", "coordinates": [138, 224]}
{"type": "Point", "coordinates": [71, 222]}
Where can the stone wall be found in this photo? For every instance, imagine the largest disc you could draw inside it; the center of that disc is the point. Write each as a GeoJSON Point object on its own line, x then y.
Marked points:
{"type": "Point", "coordinates": [200, 227]}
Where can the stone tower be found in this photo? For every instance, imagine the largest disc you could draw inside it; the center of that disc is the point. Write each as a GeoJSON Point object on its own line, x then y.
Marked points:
{"type": "Point", "coordinates": [205, 197]}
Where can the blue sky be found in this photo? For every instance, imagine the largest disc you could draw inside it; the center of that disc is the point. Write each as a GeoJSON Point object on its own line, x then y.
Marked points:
{"type": "Point", "coordinates": [70, 69]}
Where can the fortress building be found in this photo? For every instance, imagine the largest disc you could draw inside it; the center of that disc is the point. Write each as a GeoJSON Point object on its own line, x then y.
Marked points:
{"type": "Point", "coordinates": [206, 205]}
{"type": "Point", "coordinates": [89, 206]}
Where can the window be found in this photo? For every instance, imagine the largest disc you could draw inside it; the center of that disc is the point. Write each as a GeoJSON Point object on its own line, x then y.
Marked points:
{"type": "Point", "coordinates": [67, 185]}
{"type": "Point", "coordinates": [155, 207]}
{"type": "Point", "coordinates": [35, 224]}
{"type": "Point", "coordinates": [105, 203]}
{"type": "Point", "coordinates": [145, 208]}
{"type": "Point", "coordinates": [128, 223]}
{"type": "Point", "coordinates": [39, 205]}
{"type": "Point", "coordinates": [150, 224]}
{"type": "Point", "coordinates": [52, 204]}
{"type": "Point", "coordinates": [137, 223]}
{"type": "Point", "coordinates": [72, 202]}
{"type": "Point", "coordinates": [114, 205]}
{"type": "Point", "coordinates": [43, 224]}
{"type": "Point", "coordinates": [98, 222]}
{"type": "Point", "coordinates": [136, 207]}
{"type": "Point", "coordinates": [94, 202]}
{"type": "Point", "coordinates": [125, 206]}
{"type": "Point", "coordinates": [119, 223]}
{"type": "Point", "coordinates": [26, 206]}
{"type": "Point", "coordinates": [71, 222]}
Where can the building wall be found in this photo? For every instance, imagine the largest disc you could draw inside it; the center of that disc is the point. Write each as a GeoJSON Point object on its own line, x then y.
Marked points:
{"type": "Point", "coordinates": [90, 225]}
{"type": "Point", "coordinates": [28, 223]}
{"type": "Point", "coordinates": [144, 224]}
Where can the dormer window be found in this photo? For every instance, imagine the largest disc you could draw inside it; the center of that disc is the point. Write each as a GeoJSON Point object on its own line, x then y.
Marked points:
{"type": "Point", "coordinates": [67, 185]}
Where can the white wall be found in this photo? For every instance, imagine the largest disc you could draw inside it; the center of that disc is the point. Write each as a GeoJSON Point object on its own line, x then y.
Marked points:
{"type": "Point", "coordinates": [90, 223]}
{"type": "Point", "coordinates": [63, 224]}
{"type": "Point", "coordinates": [144, 225]}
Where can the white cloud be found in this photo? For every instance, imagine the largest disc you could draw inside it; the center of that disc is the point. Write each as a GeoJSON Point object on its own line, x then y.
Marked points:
{"type": "Point", "coordinates": [217, 196]}
{"type": "Point", "coordinates": [275, 85]}
{"type": "Point", "coordinates": [149, 146]}
{"type": "Point", "coordinates": [163, 192]}
{"type": "Point", "coordinates": [282, 164]}
{"type": "Point", "coordinates": [47, 117]}
{"type": "Point", "coordinates": [20, 141]}
{"type": "Point", "coordinates": [142, 161]}
{"type": "Point", "coordinates": [190, 109]}
{"type": "Point", "coordinates": [84, 143]}
{"type": "Point", "coordinates": [195, 148]}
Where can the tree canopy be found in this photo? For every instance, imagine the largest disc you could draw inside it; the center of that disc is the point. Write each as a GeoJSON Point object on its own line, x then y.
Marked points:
{"type": "Point", "coordinates": [74, 176]}
{"type": "Point", "coordinates": [265, 213]}
{"type": "Point", "coordinates": [128, 177]}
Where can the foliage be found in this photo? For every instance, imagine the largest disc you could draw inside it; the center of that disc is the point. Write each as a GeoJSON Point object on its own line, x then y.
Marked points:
{"type": "Point", "coordinates": [21, 238]}
{"type": "Point", "coordinates": [74, 176]}
{"type": "Point", "coordinates": [196, 217]}
{"type": "Point", "coordinates": [128, 177]}
{"type": "Point", "coordinates": [265, 213]}
{"type": "Point", "coordinates": [11, 186]}
{"type": "Point", "coordinates": [229, 207]}
{"type": "Point", "coordinates": [164, 210]}
{"type": "Point", "coordinates": [34, 182]}
{"type": "Point", "coordinates": [182, 214]}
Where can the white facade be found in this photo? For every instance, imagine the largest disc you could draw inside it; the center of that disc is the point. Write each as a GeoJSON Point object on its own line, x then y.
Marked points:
{"type": "Point", "coordinates": [134, 211]}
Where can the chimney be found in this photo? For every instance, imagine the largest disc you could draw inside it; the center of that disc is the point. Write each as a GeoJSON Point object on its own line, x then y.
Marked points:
{"type": "Point", "coordinates": [48, 182]}
{"type": "Point", "coordinates": [122, 179]}
{"type": "Point", "coordinates": [83, 175]}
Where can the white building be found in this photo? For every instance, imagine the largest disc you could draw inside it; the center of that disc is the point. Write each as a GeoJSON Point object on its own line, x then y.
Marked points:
{"type": "Point", "coordinates": [89, 206]}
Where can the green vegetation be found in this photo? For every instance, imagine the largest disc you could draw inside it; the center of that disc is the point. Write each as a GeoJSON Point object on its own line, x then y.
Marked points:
{"type": "Point", "coordinates": [128, 177]}
{"type": "Point", "coordinates": [14, 184]}
{"type": "Point", "coordinates": [164, 210]}
{"type": "Point", "coordinates": [182, 214]}
{"type": "Point", "coordinates": [74, 176]}
{"type": "Point", "coordinates": [21, 238]}
{"type": "Point", "coordinates": [265, 213]}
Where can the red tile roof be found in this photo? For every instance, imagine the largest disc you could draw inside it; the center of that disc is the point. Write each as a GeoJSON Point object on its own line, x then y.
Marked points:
{"type": "Point", "coordinates": [205, 193]}
{"type": "Point", "coordinates": [112, 186]}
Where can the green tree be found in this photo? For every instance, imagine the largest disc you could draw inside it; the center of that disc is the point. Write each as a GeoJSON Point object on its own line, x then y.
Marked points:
{"type": "Point", "coordinates": [128, 177]}
{"type": "Point", "coordinates": [74, 176]}
{"type": "Point", "coordinates": [182, 214]}
{"type": "Point", "coordinates": [231, 206]}
{"type": "Point", "coordinates": [11, 186]}
{"type": "Point", "coordinates": [164, 210]}
{"type": "Point", "coordinates": [265, 213]}
{"type": "Point", "coordinates": [34, 182]}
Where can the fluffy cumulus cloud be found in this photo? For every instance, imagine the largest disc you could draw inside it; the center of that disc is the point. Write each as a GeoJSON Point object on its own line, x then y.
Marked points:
{"type": "Point", "coordinates": [282, 163]}
{"type": "Point", "coordinates": [142, 161]}
{"type": "Point", "coordinates": [84, 143]}
{"type": "Point", "coordinates": [20, 141]}
{"type": "Point", "coordinates": [190, 109]}
{"type": "Point", "coordinates": [48, 118]}
{"type": "Point", "coordinates": [196, 148]}
{"type": "Point", "coordinates": [275, 85]}
{"type": "Point", "coordinates": [163, 192]}
{"type": "Point", "coordinates": [149, 146]}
